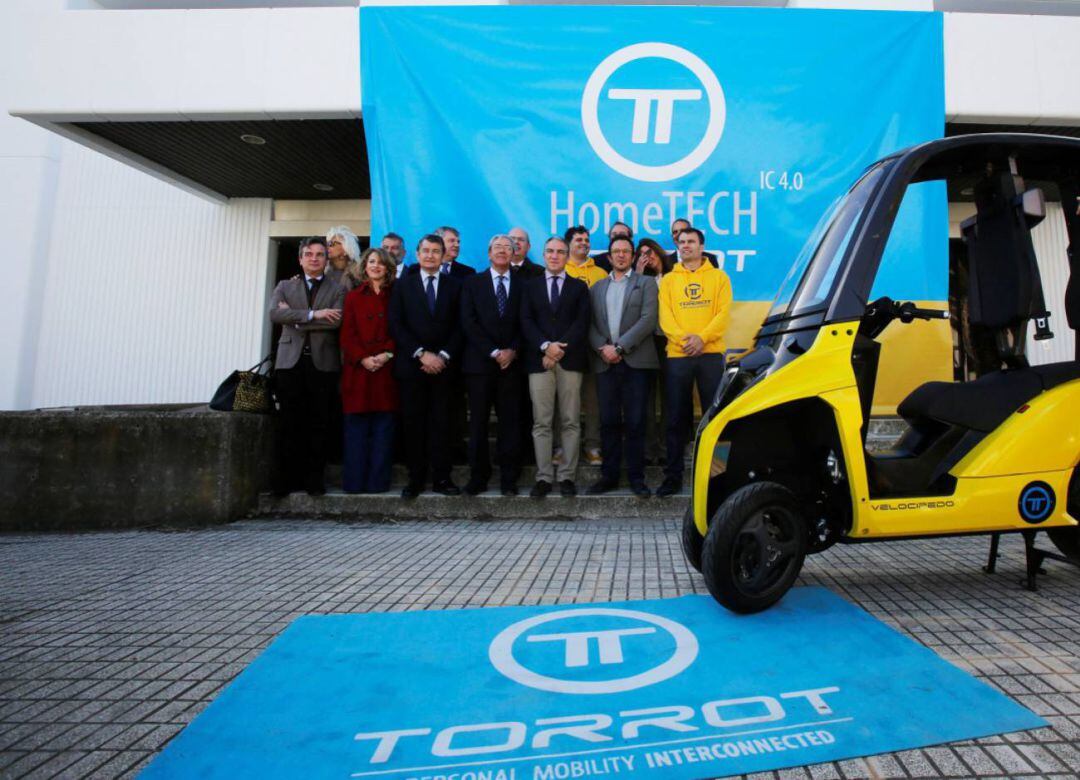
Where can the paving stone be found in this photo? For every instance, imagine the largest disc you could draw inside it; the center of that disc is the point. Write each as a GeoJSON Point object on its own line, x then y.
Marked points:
{"type": "Point", "coordinates": [114, 641]}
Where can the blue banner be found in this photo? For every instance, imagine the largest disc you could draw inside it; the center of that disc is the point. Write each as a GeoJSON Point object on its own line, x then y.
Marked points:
{"type": "Point", "coordinates": [675, 688]}
{"type": "Point", "coordinates": [747, 122]}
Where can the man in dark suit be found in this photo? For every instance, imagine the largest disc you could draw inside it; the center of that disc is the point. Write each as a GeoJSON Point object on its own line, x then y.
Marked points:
{"type": "Point", "coordinates": [490, 319]}
{"type": "Point", "coordinates": [677, 227]}
{"type": "Point", "coordinates": [554, 327]}
{"type": "Point", "coordinates": [425, 310]}
{"type": "Point", "coordinates": [308, 308]}
{"type": "Point", "coordinates": [618, 230]}
{"type": "Point", "coordinates": [520, 262]}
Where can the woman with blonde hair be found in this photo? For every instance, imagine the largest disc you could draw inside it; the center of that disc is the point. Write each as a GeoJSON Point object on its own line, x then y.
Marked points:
{"type": "Point", "coordinates": [368, 390]}
{"type": "Point", "coordinates": [343, 252]}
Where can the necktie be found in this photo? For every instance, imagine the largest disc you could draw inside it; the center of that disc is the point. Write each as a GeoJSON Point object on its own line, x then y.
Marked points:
{"type": "Point", "coordinates": [500, 295]}
{"type": "Point", "coordinates": [312, 291]}
{"type": "Point", "coordinates": [446, 268]}
{"type": "Point", "coordinates": [431, 294]}
{"type": "Point", "coordinates": [554, 292]}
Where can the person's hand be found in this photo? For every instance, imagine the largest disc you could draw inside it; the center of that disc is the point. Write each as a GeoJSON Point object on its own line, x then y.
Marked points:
{"type": "Point", "coordinates": [505, 357]}
{"type": "Point", "coordinates": [369, 363]}
{"type": "Point", "coordinates": [609, 355]}
{"type": "Point", "coordinates": [555, 350]}
{"type": "Point", "coordinates": [641, 265]}
{"type": "Point", "coordinates": [548, 363]}
{"type": "Point", "coordinates": [282, 305]}
{"type": "Point", "coordinates": [430, 363]}
{"type": "Point", "coordinates": [692, 346]}
{"type": "Point", "coordinates": [327, 315]}
{"type": "Point", "coordinates": [379, 360]}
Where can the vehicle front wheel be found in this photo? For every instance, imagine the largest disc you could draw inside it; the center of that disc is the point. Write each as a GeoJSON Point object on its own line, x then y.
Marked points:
{"type": "Point", "coordinates": [691, 539]}
{"type": "Point", "coordinates": [755, 547]}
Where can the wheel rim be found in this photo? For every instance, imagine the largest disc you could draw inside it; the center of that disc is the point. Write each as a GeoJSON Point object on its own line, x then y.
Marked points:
{"type": "Point", "coordinates": [765, 547]}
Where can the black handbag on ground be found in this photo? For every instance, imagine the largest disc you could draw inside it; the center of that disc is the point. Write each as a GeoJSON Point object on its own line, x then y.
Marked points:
{"type": "Point", "coordinates": [247, 391]}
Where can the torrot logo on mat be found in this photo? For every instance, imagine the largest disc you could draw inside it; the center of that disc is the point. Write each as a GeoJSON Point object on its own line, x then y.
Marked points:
{"type": "Point", "coordinates": [656, 110]}
{"type": "Point", "coordinates": [666, 689]}
{"type": "Point", "coordinates": [584, 653]}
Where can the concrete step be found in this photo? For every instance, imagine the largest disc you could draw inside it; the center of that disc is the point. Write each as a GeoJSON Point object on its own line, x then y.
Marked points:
{"type": "Point", "coordinates": [486, 506]}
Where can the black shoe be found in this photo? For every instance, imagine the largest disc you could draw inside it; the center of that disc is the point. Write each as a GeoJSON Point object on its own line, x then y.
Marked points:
{"type": "Point", "coordinates": [282, 492]}
{"type": "Point", "coordinates": [475, 488]}
{"type": "Point", "coordinates": [409, 492]}
{"type": "Point", "coordinates": [640, 489]}
{"type": "Point", "coordinates": [601, 486]}
{"type": "Point", "coordinates": [567, 489]}
{"type": "Point", "coordinates": [540, 489]}
{"type": "Point", "coordinates": [446, 488]}
{"type": "Point", "coordinates": [316, 490]}
{"type": "Point", "coordinates": [509, 490]}
{"type": "Point", "coordinates": [669, 487]}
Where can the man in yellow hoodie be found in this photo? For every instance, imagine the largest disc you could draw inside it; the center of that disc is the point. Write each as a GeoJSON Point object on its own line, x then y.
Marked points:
{"type": "Point", "coordinates": [582, 266]}
{"type": "Point", "coordinates": [695, 307]}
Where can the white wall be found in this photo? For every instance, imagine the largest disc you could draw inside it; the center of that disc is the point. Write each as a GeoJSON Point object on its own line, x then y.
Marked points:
{"type": "Point", "coordinates": [153, 295]}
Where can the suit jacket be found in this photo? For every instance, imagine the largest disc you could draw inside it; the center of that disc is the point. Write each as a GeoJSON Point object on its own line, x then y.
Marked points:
{"type": "Point", "coordinates": [413, 327]}
{"type": "Point", "coordinates": [323, 336]}
{"type": "Point", "coordinates": [485, 331]}
{"type": "Point", "coordinates": [636, 327]}
{"type": "Point", "coordinates": [458, 270]}
{"type": "Point", "coordinates": [603, 260]}
{"type": "Point", "coordinates": [568, 323]}
{"type": "Point", "coordinates": [528, 269]}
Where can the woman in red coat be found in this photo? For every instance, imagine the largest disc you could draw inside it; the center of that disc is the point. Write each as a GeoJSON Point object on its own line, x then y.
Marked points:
{"type": "Point", "coordinates": [368, 391]}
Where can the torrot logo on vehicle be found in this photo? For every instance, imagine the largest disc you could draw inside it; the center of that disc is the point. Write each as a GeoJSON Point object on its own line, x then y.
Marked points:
{"type": "Point", "coordinates": [659, 112]}
{"type": "Point", "coordinates": [1037, 502]}
{"type": "Point", "coordinates": [593, 651]}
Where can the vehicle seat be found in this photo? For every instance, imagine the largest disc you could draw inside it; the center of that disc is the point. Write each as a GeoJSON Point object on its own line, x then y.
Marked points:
{"type": "Point", "coordinates": [985, 403]}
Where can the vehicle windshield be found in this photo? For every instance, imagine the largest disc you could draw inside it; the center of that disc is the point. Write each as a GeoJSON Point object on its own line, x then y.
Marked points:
{"type": "Point", "coordinates": [808, 283]}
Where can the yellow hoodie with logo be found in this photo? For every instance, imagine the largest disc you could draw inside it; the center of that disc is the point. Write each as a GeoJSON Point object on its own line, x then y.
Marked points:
{"type": "Point", "coordinates": [588, 272]}
{"type": "Point", "coordinates": [695, 303]}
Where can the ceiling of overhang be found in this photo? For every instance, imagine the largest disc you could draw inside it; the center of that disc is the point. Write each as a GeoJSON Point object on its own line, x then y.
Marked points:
{"type": "Point", "coordinates": [297, 155]}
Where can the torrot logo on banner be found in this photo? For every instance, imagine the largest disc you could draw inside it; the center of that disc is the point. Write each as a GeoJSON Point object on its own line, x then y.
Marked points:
{"type": "Point", "coordinates": [654, 109]}
{"type": "Point", "coordinates": [749, 122]}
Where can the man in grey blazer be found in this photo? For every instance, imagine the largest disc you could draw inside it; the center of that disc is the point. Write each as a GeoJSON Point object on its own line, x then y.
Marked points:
{"type": "Point", "coordinates": [308, 308]}
{"type": "Point", "coordinates": [624, 311]}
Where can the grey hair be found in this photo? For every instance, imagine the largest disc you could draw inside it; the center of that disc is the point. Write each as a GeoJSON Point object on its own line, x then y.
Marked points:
{"type": "Point", "coordinates": [348, 238]}
{"type": "Point", "coordinates": [496, 237]}
{"type": "Point", "coordinates": [524, 231]}
{"type": "Point", "coordinates": [441, 232]}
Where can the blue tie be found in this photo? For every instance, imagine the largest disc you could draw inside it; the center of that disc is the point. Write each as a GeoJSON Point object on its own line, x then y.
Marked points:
{"type": "Point", "coordinates": [446, 268]}
{"type": "Point", "coordinates": [500, 295]}
{"type": "Point", "coordinates": [554, 292]}
{"type": "Point", "coordinates": [431, 294]}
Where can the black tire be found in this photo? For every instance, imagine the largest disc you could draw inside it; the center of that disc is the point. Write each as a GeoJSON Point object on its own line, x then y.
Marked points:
{"type": "Point", "coordinates": [692, 542]}
{"type": "Point", "coordinates": [1068, 539]}
{"type": "Point", "coordinates": [755, 547]}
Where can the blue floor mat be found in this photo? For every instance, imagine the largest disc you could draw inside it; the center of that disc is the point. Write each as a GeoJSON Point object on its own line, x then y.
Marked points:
{"type": "Point", "coordinates": [672, 688]}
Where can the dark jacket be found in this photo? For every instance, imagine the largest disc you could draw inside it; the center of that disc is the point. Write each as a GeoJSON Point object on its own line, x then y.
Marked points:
{"type": "Point", "coordinates": [528, 269]}
{"type": "Point", "coordinates": [365, 331]}
{"type": "Point", "coordinates": [485, 331]}
{"type": "Point", "coordinates": [569, 323]}
{"type": "Point", "coordinates": [413, 327]}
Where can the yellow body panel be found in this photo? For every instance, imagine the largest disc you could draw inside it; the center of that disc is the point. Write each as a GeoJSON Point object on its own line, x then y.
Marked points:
{"type": "Point", "coordinates": [1045, 437]}
{"type": "Point", "coordinates": [912, 355]}
{"type": "Point", "coordinates": [1042, 443]}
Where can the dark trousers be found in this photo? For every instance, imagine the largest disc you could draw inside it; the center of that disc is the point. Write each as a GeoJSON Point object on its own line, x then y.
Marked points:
{"type": "Point", "coordinates": [503, 391]}
{"type": "Point", "coordinates": [425, 417]}
{"type": "Point", "coordinates": [306, 394]}
{"type": "Point", "coordinates": [680, 376]}
{"type": "Point", "coordinates": [622, 393]}
{"type": "Point", "coordinates": [369, 449]}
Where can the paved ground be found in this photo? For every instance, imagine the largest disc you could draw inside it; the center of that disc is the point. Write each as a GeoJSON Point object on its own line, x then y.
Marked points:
{"type": "Point", "coordinates": [110, 643]}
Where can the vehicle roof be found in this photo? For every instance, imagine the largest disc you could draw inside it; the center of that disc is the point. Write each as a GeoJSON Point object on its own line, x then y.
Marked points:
{"type": "Point", "coordinates": [946, 155]}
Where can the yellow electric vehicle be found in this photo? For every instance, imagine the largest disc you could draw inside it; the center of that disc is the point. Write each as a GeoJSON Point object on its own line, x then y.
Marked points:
{"type": "Point", "coordinates": [781, 468]}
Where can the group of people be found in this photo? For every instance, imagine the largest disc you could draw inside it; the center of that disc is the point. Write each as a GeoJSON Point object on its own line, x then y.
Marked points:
{"type": "Point", "coordinates": [543, 344]}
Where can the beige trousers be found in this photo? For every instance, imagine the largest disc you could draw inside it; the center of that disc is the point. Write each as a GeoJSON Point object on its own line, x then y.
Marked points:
{"type": "Point", "coordinates": [561, 389]}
